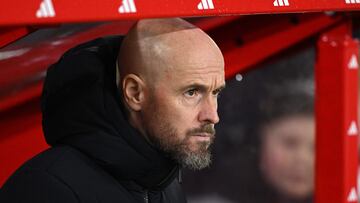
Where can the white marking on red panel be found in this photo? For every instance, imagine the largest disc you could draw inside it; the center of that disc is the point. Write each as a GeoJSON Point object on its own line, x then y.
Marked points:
{"type": "Point", "coordinates": [205, 5]}
{"type": "Point", "coordinates": [353, 129]}
{"type": "Point", "coordinates": [353, 63]}
{"type": "Point", "coordinates": [281, 3]}
{"type": "Point", "coordinates": [127, 6]}
{"type": "Point", "coordinates": [352, 197]}
{"type": "Point", "coordinates": [46, 10]}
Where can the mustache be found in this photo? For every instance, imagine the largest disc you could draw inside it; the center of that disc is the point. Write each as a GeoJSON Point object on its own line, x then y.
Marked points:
{"type": "Point", "coordinates": [208, 128]}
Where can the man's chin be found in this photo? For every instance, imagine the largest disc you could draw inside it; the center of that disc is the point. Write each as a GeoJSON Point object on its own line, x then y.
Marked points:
{"type": "Point", "coordinates": [197, 156]}
{"type": "Point", "coordinates": [197, 160]}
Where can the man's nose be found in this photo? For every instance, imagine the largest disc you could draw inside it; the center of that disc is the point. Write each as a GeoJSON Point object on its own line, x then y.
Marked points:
{"type": "Point", "coordinates": [208, 112]}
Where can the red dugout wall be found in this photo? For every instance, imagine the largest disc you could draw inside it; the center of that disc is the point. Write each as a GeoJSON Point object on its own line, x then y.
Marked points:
{"type": "Point", "coordinates": [336, 71]}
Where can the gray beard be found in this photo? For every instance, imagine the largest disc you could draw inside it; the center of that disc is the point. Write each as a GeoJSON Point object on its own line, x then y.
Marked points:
{"type": "Point", "coordinates": [178, 150]}
{"type": "Point", "coordinates": [166, 140]}
{"type": "Point", "coordinates": [195, 160]}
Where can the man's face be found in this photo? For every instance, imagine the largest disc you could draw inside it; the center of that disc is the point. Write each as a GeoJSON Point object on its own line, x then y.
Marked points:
{"type": "Point", "coordinates": [287, 155]}
{"type": "Point", "coordinates": [181, 111]}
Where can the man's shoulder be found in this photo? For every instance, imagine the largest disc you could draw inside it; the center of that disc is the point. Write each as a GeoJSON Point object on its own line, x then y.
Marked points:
{"type": "Point", "coordinates": [55, 160]}
{"type": "Point", "coordinates": [32, 179]}
{"type": "Point", "coordinates": [50, 158]}
{"type": "Point", "coordinates": [63, 169]}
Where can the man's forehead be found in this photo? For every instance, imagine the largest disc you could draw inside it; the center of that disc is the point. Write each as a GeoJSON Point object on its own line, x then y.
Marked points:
{"type": "Point", "coordinates": [190, 67]}
{"type": "Point", "coordinates": [210, 80]}
{"type": "Point", "coordinates": [199, 71]}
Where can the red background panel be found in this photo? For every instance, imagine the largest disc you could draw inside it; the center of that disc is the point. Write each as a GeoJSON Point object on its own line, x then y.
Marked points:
{"type": "Point", "coordinates": [19, 12]}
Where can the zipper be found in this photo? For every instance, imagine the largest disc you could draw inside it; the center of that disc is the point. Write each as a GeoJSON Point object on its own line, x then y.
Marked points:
{"type": "Point", "coordinates": [180, 175]}
{"type": "Point", "coordinates": [146, 192]}
{"type": "Point", "coordinates": [146, 196]}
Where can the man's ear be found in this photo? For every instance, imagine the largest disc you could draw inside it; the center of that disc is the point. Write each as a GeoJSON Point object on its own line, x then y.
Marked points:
{"type": "Point", "coordinates": [133, 91]}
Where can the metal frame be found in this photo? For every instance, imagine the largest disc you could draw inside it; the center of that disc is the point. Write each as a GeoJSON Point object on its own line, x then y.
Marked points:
{"type": "Point", "coordinates": [336, 116]}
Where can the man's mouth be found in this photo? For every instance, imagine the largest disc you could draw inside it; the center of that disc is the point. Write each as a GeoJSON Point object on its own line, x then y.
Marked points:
{"type": "Point", "coordinates": [203, 136]}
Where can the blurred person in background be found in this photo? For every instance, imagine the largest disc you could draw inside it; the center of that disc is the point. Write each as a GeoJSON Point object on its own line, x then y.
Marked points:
{"type": "Point", "coordinates": [275, 163]}
{"type": "Point", "coordinates": [286, 141]}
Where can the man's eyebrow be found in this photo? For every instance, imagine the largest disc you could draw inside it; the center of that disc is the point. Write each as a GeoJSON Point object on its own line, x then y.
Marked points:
{"type": "Point", "coordinates": [202, 87]}
{"type": "Point", "coordinates": [220, 88]}
{"type": "Point", "coordinates": [198, 86]}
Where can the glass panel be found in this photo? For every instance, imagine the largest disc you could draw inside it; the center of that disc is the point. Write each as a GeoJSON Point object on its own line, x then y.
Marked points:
{"type": "Point", "coordinates": [264, 146]}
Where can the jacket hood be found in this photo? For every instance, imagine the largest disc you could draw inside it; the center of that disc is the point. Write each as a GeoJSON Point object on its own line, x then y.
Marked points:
{"type": "Point", "coordinates": [82, 107]}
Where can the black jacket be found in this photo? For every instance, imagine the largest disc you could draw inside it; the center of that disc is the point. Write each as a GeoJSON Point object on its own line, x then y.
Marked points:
{"type": "Point", "coordinates": [96, 156]}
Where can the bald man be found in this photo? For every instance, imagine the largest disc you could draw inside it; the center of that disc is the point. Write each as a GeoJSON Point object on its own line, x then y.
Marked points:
{"type": "Point", "coordinates": [122, 135]}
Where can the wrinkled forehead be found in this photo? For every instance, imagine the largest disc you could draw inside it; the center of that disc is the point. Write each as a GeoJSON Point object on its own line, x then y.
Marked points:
{"type": "Point", "coordinates": [206, 73]}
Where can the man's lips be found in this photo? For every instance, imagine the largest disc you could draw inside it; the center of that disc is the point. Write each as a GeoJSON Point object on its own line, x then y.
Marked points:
{"type": "Point", "coordinates": [203, 136]}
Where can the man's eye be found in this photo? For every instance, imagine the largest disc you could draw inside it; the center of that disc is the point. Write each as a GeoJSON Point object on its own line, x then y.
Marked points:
{"type": "Point", "coordinates": [216, 93]}
{"type": "Point", "coordinates": [191, 93]}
